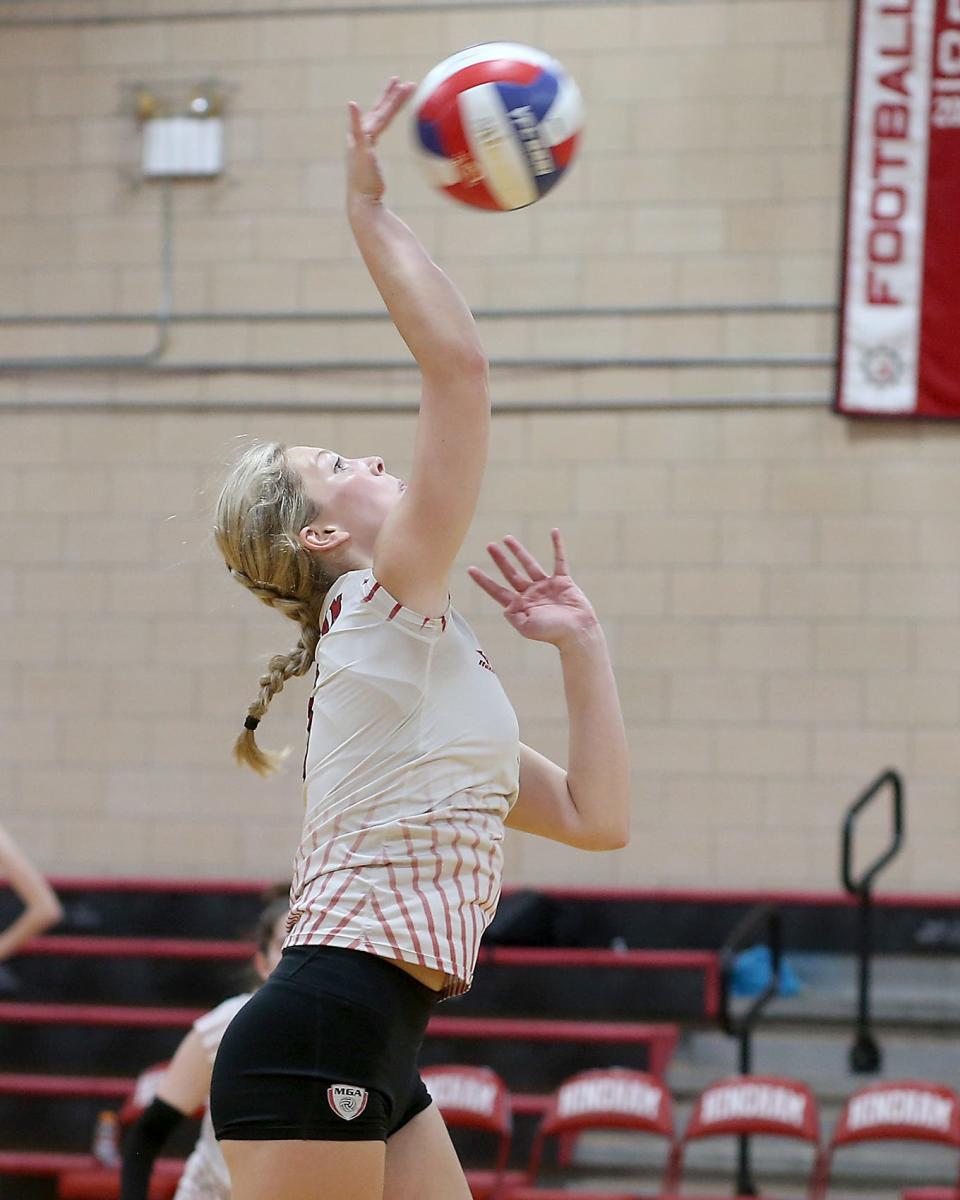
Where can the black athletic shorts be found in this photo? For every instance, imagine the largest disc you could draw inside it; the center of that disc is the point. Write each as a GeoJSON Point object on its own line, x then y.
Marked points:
{"type": "Point", "coordinates": [326, 1050]}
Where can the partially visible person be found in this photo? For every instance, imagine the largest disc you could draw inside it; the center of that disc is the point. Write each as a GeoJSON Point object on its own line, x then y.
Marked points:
{"type": "Point", "coordinates": [185, 1087]}
{"type": "Point", "coordinates": [41, 908]}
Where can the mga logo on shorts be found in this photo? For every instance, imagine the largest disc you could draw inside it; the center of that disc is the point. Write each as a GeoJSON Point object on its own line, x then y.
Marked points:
{"type": "Point", "coordinates": [346, 1101]}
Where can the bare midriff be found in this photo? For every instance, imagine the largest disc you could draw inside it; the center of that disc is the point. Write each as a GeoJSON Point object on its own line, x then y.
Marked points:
{"type": "Point", "coordinates": [430, 976]}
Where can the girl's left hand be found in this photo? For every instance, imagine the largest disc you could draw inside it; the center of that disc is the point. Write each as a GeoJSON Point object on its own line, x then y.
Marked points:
{"type": "Point", "coordinates": [545, 608]}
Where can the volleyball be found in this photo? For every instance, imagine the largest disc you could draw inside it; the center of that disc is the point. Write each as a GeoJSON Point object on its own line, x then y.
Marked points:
{"type": "Point", "coordinates": [497, 125]}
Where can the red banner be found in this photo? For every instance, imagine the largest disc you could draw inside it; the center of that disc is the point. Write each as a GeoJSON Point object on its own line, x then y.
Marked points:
{"type": "Point", "coordinates": [900, 316]}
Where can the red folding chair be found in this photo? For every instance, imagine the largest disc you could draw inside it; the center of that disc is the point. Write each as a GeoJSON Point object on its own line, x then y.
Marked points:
{"type": "Point", "coordinates": [475, 1098]}
{"type": "Point", "coordinates": [103, 1183]}
{"type": "Point", "coordinates": [614, 1098]}
{"type": "Point", "coordinates": [902, 1111]}
{"type": "Point", "coordinates": [750, 1105]}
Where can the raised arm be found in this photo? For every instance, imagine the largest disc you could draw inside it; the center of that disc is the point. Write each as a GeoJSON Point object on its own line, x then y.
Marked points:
{"type": "Point", "coordinates": [421, 537]}
{"type": "Point", "coordinates": [588, 804]}
{"type": "Point", "coordinates": [41, 906]}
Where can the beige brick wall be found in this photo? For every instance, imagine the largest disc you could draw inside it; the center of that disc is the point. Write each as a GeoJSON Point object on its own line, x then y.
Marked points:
{"type": "Point", "coordinates": [781, 589]}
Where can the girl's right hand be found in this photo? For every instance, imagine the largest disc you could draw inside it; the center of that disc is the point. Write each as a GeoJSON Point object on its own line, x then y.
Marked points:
{"type": "Point", "coordinates": [364, 177]}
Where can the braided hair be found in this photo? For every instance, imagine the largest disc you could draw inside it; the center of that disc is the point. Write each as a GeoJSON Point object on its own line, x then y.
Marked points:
{"type": "Point", "coordinates": [261, 509]}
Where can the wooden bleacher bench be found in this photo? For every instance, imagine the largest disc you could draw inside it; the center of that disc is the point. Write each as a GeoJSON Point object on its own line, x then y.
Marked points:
{"type": "Point", "coordinates": [705, 963]}
{"type": "Point", "coordinates": [42, 1162]}
{"type": "Point", "coordinates": [127, 1016]}
{"type": "Point", "coordinates": [660, 1038]}
{"type": "Point", "coordinates": [86, 1086]}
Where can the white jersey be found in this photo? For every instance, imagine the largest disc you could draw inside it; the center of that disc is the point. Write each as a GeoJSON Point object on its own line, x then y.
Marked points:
{"type": "Point", "coordinates": [205, 1175]}
{"type": "Point", "coordinates": [412, 765]}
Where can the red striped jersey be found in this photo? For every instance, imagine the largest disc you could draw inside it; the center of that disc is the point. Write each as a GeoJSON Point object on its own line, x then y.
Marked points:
{"type": "Point", "coordinates": [412, 764]}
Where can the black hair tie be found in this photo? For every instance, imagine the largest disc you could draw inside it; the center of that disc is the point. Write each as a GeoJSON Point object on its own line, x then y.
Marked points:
{"type": "Point", "coordinates": [251, 723]}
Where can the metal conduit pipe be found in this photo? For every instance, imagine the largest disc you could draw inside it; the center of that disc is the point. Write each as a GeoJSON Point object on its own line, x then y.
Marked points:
{"type": "Point", "coordinates": [505, 407]}
{"type": "Point", "coordinates": [135, 17]}
{"type": "Point", "coordinates": [381, 314]}
{"type": "Point", "coordinates": [162, 317]}
{"type": "Point", "coordinates": [334, 366]}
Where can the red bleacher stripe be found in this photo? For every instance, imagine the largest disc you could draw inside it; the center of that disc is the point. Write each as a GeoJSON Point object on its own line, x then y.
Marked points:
{"type": "Point", "coordinates": [660, 1039]}
{"type": "Point", "coordinates": [536, 956]}
{"type": "Point", "coordinates": [140, 947]}
{"type": "Point", "coordinates": [84, 1086]}
{"type": "Point", "coordinates": [55, 1162]}
{"type": "Point", "coordinates": [99, 1014]}
{"type": "Point", "coordinates": [511, 1028]}
{"type": "Point", "coordinates": [43, 1162]}
{"type": "Point", "coordinates": [523, 956]}
{"type": "Point", "coordinates": [37, 1162]}
{"type": "Point", "coordinates": [718, 896]}
{"type": "Point", "coordinates": [187, 887]}
{"type": "Point", "coordinates": [536, 1193]}
{"type": "Point", "coordinates": [72, 1086]}
{"type": "Point", "coordinates": [705, 960]}
{"type": "Point", "coordinates": [232, 951]}
{"type": "Point", "coordinates": [526, 1028]}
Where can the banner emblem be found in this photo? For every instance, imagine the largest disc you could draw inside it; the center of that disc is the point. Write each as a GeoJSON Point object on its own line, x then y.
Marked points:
{"type": "Point", "coordinates": [882, 365]}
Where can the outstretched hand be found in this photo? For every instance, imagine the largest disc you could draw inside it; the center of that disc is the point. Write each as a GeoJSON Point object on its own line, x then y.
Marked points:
{"type": "Point", "coordinates": [363, 170]}
{"type": "Point", "coordinates": [545, 608]}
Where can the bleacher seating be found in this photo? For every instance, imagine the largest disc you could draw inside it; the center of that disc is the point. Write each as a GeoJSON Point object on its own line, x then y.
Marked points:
{"type": "Point", "coordinates": [751, 1105]}
{"type": "Point", "coordinates": [97, 1003]}
{"type": "Point", "coordinates": [94, 1002]}
{"type": "Point", "coordinates": [905, 1110]}
{"type": "Point", "coordinates": [631, 1101]}
{"type": "Point", "coordinates": [95, 1181]}
{"type": "Point", "coordinates": [477, 1099]}
{"type": "Point", "coordinates": [599, 982]}
{"type": "Point", "coordinates": [103, 1183]}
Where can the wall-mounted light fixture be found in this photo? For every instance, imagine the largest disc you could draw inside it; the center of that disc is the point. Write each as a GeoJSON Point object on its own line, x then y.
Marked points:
{"type": "Point", "coordinates": [182, 129]}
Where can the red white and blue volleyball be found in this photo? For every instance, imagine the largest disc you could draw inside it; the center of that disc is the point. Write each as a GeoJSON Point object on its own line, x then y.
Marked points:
{"type": "Point", "coordinates": [497, 125]}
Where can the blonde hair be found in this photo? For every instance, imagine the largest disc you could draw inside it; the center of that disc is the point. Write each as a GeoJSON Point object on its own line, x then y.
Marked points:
{"type": "Point", "coordinates": [260, 511]}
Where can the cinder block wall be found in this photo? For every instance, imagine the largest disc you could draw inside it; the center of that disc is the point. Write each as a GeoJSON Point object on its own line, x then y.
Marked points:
{"type": "Point", "coordinates": [781, 589]}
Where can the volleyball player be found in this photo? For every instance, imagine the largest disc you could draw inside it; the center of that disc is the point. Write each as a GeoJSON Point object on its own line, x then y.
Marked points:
{"type": "Point", "coordinates": [185, 1088]}
{"type": "Point", "coordinates": [413, 761]}
{"type": "Point", "coordinates": [41, 908]}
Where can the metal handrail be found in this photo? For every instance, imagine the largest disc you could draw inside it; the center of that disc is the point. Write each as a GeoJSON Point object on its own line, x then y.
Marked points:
{"type": "Point", "coordinates": [768, 917]}
{"type": "Point", "coordinates": [865, 1053]}
{"type": "Point", "coordinates": [856, 886]}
